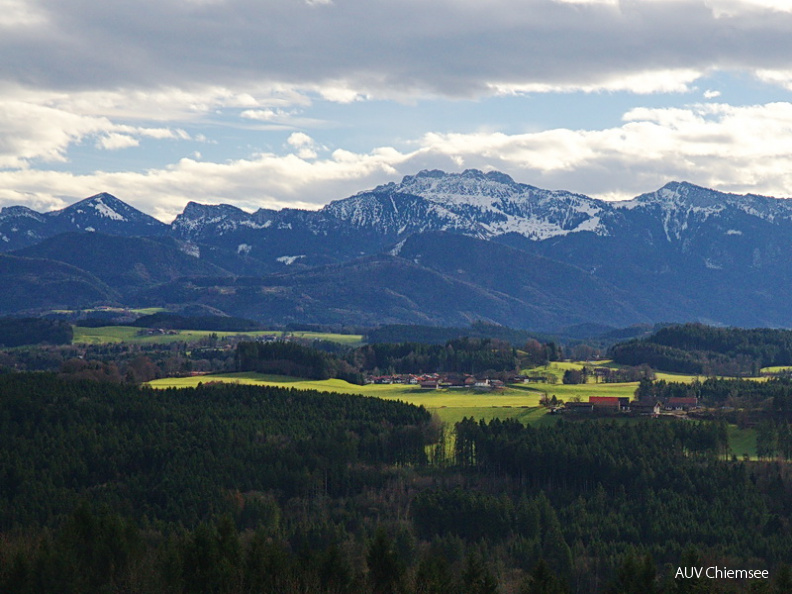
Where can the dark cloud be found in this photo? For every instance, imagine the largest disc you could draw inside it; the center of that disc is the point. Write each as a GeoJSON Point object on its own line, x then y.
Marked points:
{"type": "Point", "coordinates": [401, 47]}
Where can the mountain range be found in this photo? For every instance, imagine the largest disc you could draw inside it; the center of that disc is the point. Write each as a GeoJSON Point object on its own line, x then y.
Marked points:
{"type": "Point", "coordinates": [435, 248]}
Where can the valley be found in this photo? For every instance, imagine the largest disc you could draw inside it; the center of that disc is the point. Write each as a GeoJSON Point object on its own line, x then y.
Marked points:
{"type": "Point", "coordinates": [456, 382]}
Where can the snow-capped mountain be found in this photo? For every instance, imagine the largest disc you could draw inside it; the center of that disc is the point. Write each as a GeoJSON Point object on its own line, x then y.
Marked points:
{"type": "Point", "coordinates": [680, 253]}
{"type": "Point", "coordinates": [484, 205]}
{"type": "Point", "coordinates": [102, 213]}
{"type": "Point", "coordinates": [682, 206]}
{"type": "Point", "coordinates": [21, 226]}
{"type": "Point", "coordinates": [201, 221]}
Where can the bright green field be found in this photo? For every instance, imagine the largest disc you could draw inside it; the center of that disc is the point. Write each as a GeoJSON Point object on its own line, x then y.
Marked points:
{"type": "Point", "coordinates": [113, 334]}
{"type": "Point", "coordinates": [776, 369]}
{"type": "Point", "coordinates": [519, 402]}
{"type": "Point", "coordinates": [451, 405]}
{"type": "Point", "coordinates": [143, 311]}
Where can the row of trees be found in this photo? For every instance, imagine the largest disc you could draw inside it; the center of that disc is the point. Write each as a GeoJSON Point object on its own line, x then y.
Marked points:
{"type": "Point", "coordinates": [460, 355]}
{"type": "Point", "coordinates": [774, 395]}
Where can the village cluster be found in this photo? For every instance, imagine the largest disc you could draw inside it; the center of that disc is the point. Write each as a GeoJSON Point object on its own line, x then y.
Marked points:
{"type": "Point", "coordinates": [436, 381]}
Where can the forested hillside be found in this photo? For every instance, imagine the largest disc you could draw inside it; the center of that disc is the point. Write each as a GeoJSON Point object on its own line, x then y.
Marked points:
{"type": "Point", "coordinates": [706, 350]}
{"type": "Point", "coordinates": [176, 456]}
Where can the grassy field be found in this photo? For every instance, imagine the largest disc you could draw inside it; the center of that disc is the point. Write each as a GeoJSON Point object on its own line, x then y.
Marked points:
{"type": "Point", "coordinates": [114, 334]}
{"type": "Point", "coordinates": [742, 441]}
{"type": "Point", "coordinates": [776, 369]}
{"type": "Point", "coordinates": [519, 402]}
{"type": "Point", "coordinates": [143, 311]}
{"type": "Point", "coordinates": [451, 405]}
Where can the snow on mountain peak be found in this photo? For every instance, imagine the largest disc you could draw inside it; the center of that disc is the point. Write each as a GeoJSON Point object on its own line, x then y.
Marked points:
{"type": "Point", "coordinates": [105, 210]}
{"type": "Point", "coordinates": [480, 204]}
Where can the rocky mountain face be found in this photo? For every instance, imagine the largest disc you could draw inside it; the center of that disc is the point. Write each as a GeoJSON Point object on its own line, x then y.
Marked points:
{"type": "Point", "coordinates": [482, 245]}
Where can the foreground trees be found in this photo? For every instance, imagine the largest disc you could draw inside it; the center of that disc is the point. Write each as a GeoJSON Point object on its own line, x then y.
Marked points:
{"type": "Point", "coordinates": [222, 488]}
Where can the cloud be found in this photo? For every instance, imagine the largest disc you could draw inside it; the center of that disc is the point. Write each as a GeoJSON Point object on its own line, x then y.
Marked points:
{"type": "Point", "coordinates": [393, 49]}
{"type": "Point", "coordinates": [111, 76]}
{"type": "Point", "coordinates": [731, 148]}
{"type": "Point", "coordinates": [20, 13]}
{"type": "Point", "coordinates": [31, 132]}
{"type": "Point", "coordinates": [742, 149]}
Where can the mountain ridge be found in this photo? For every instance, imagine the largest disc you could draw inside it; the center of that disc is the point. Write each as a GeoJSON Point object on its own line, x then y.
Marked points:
{"type": "Point", "coordinates": [680, 253]}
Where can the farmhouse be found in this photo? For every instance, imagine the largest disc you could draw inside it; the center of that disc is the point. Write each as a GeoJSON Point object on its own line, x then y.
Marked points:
{"type": "Point", "coordinates": [682, 403]}
{"type": "Point", "coordinates": [610, 402]}
{"type": "Point", "coordinates": [645, 407]}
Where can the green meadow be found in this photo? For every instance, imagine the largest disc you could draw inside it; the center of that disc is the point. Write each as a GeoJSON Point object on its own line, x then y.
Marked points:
{"type": "Point", "coordinates": [516, 401]}
{"type": "Point", "coordinates": [520, 401]}
{"type": "Point", "coordinates": [115, 334]}
{"type": "Point", "coordinates": [451, 405]}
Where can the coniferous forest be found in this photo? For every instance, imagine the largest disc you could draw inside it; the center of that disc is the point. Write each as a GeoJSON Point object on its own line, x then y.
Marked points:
{"type": "Point", "coordinates": [231, 488]}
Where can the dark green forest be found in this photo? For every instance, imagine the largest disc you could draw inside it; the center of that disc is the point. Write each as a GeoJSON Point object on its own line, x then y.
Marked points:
{"type": "Point", "coordinates": [459, 355]}
{"type": "Point", "coordinates": [240, 489]}
{"type": "Point", "coordinates": [16, 332]}
{"type": "Point", "coordinates": [706, 350]}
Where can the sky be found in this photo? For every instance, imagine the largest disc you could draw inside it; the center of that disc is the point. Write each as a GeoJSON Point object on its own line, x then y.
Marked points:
{"type": "Point", "coordinates": [294, 103]}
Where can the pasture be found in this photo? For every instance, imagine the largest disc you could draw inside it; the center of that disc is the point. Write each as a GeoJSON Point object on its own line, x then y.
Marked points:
{"type": "Point", "coordinates": [451, 405]}
{"type": "Point", "coordinates": [116, 334]}
{"type": "Point", "coordinates": [517, 401]}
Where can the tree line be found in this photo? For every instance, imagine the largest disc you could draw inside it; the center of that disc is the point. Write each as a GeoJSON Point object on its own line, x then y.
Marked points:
{"type": "Point", "coordinates": [460, 355]}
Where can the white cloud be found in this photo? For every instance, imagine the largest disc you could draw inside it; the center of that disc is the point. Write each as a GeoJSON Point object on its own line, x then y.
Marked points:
{"type": "Point", "coordinates": [733, 8]}
{"type": "Point", "coordinates": [782, 78]}
{"type": "Point", "coordinates": [299, 139]}
{"type": "Point", "coordinates": [115, 141]}
{"type": "Point", "coordinates": [660, 81]}
{"type": "Point", "coordinates": [38, 132]}
{"type": "Point", "coordinates": [29, 132]}
{"type": "Point", "coordinates": [20, 13]}
{"type": "Point", "coordinates": [741, 149]}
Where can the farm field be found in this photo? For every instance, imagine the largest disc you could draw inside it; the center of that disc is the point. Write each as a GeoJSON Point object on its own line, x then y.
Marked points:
{"type": "Point", "coordinates": [451, 405]}
{"type": "Point", "coordinates": [115, 334]}
{"type": "Point", "coordinates": [776, 369]}
{"type": "Point", "coordinates": [144, 311]}
{"type": "Point", "coordinates": [557, 368]}
{"type": "Point", "coordinates": [519, 402]}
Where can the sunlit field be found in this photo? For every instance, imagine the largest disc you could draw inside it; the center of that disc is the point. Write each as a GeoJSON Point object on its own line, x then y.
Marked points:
{"type": "Point", "coordinates": [115, 334]}
{"type": "Point", "coordinates": [451, 405]}
{"type": "Point", "coordinates": [516, 401]}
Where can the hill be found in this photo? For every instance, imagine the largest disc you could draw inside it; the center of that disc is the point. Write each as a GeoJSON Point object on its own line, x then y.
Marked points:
{"type": "Point", "coordinates": [126, 263]}
{"type": "Point", "coordinates": [31, 284]}
{"type": "Point", "coordinates": [700, 349]}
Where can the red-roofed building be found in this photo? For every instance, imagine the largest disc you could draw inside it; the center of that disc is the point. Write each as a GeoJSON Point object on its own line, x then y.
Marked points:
{"type": "Point", "coordinates": [607, 401]}
{"type": "Point", "coordinates": [614, 402]}
{"type": "Point", "coordinates": [682, 403]}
